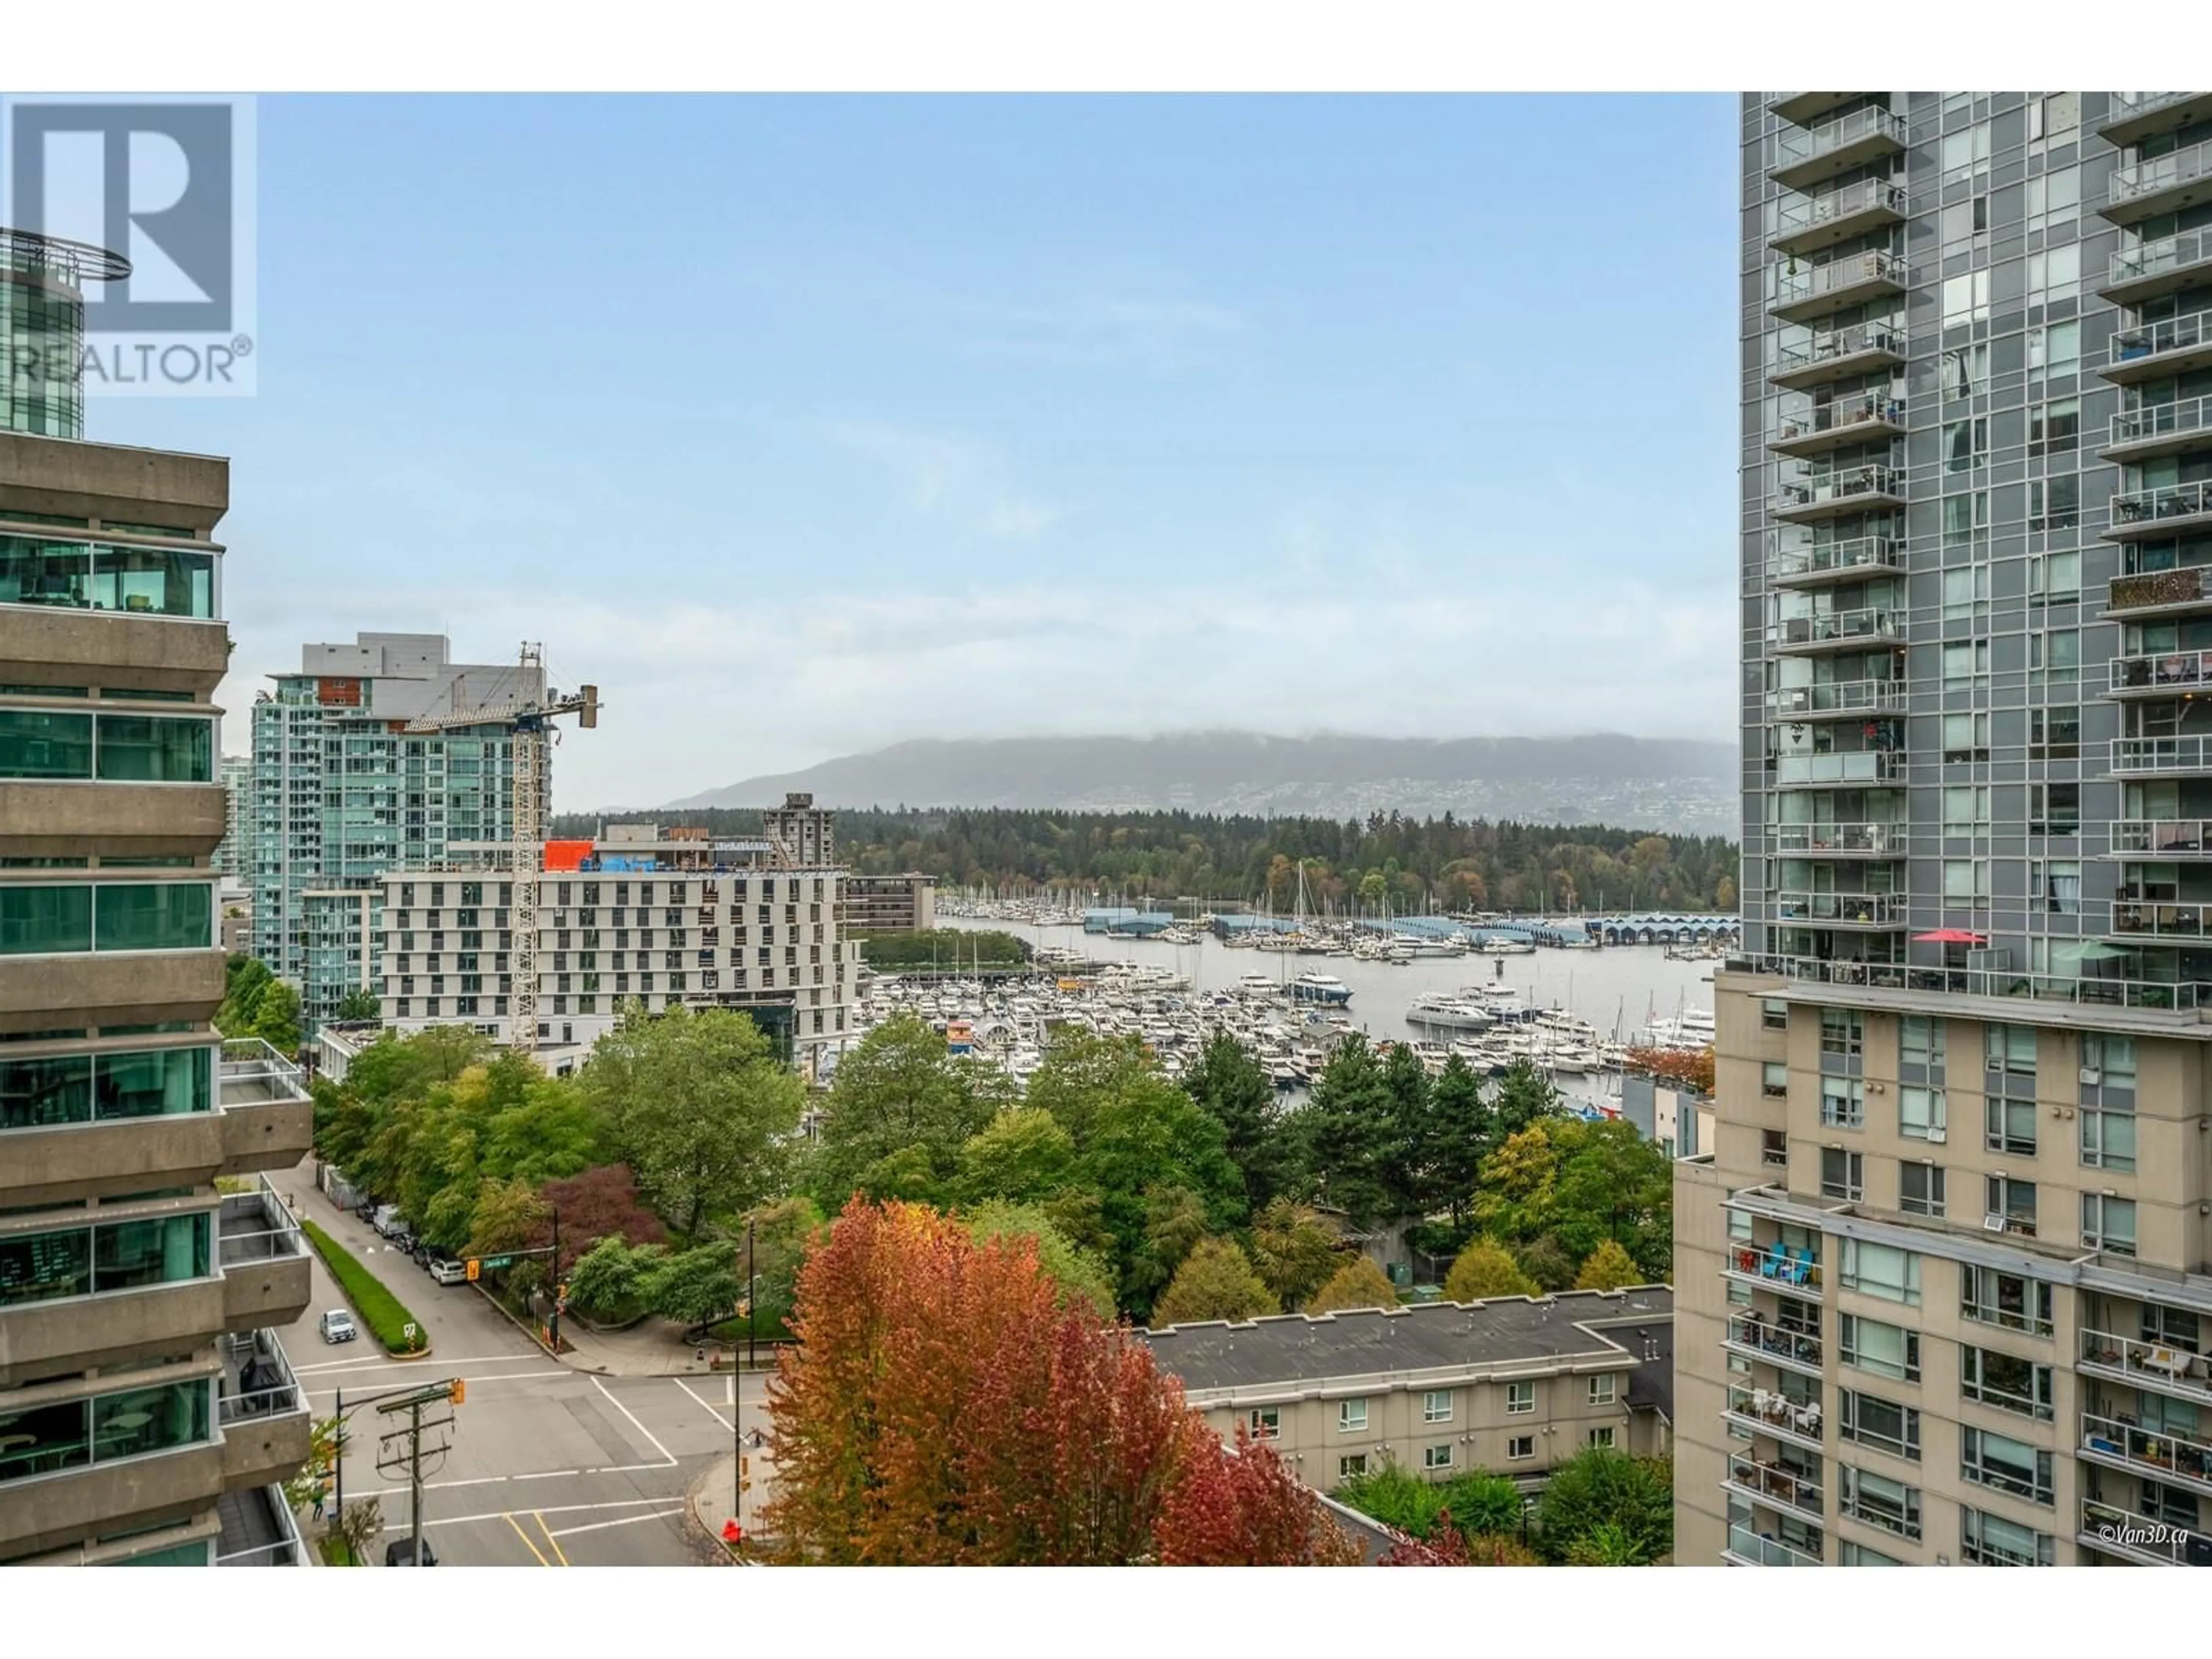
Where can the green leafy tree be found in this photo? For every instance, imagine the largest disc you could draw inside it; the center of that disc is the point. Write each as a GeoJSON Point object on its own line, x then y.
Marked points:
{"type": "Point", "coordinates": [1520, 1185]}
{"type": "Point", "coordinates": [276, 1017]}
{"type": "Point", "coordinates": [359, 1003]}
{"type": "Point", "coordinates": [1460, 1126]}
{"type": "Point", "coordinates": [1293, 1249]}
{"type": "Point", "coordinates": [1481, 1503]}
{"type": "Point", "coordinates": [700, 1107]}
{"type": "Point", "coordinates": [605, 1282]}
{"type": "Point", "coordinates": [245, 981]}
{"type": "Point", "coordinates": [1607, 1545]}
{"type": "Point", "coordinates": [902, 1110]}
{"type": "Point", "coordinates": [1607, 1269]}
{"type": "Point", "coordinates": [1546, 1261]}
{"type": "Point", "coordinates": [1405, 1167]}
{"type": "Point", "coordinates": [1395, 1496]}
{"type": "Point", "coordinates": [505, 1213]}
{"type": "Point", "coordinates": [1600, 1487]}
{"type": "Point", "coordinates": [1216, 1281]}
{"type": "Point", "coordinates": [1228, 1084]}
{"type": "Point", "coordinates": [1358, 1284]}
{"type": "Point", "coordinates": [1024, 1155]}
{"type": "Point", "coordinates": [698, 1286]}
{"type": "Point", "coordinates": [1522, 1096]}
{"type": "Point", "coordinates": [1342, 1132]}
{"type": "Point", "coordinates": [1485, 1270]}
{"type": "Point", "coordinates": [1079, 1275]}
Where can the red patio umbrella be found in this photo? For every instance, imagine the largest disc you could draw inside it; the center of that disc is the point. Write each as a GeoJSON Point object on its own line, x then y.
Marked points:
{"type": "Point", "coordinates": [1949, 936]}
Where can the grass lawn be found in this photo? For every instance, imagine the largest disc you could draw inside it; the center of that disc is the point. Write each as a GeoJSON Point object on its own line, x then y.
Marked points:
{"type": "Point", "coordinates": [380, 1310]}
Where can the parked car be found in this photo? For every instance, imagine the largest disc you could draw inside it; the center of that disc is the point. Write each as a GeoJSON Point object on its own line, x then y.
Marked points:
{"type": "Point", "coordinates": [449, 1272]}
{"type": "Point", "coordinates": [338, 1327]}
{"type": "Point", "coordinates": [426, 1255]}
{"type": "Point", "coordinates": [404, 1241]}
{"type": "Point", "coordinates": [388, 1220]}
{"type": "Point", "coordinates": [401, 1553]}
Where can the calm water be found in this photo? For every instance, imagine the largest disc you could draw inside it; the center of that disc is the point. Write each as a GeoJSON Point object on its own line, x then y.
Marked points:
{"type": "Point", "coordinates": [1616, 988]}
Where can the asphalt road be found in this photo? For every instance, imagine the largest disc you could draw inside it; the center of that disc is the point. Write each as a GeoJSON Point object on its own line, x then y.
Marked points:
{"type": "Point", "coordinates": [542, 1466]}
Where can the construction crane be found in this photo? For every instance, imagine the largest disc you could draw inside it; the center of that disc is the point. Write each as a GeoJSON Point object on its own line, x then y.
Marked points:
{"type": "Point", "coordinates": [527, 718]}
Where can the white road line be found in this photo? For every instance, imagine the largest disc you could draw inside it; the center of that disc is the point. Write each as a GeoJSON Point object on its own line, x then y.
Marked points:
{"type": "Point", "coordinates": [548, 1474]}
{"type": "Point", "coordinates": [626, 1521]}
{"type": "Point", "coordinates": [730, 1388]}
{"type": "Point", "coordinates": [624, 1468]}
{"type": "Point", "coordinates": [435, 1521]}
{"type": "Point", "coordinates": [405, 1364]}
{"type": "Point", "coordinates": [496, 1376]}
{"type": "Point", "coordinates": [668, 1458]}
{"type": "Point", "coordinates": [448, 1485]}
{"type": "Point", "coordinates": [720, 1421]}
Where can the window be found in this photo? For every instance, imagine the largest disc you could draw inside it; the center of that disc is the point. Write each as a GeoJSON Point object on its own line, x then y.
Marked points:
{"type": "Point", "coordinates": [2010, 1048]}
{"type": "Point", "coordinates": [1966, 298]}
{"type": "Point", "coordinates": [2108, 1138]}
{"type": "Point", "coordinates": [1966, 446]}
{"type": "Point", "coordinates": [2012, 1200]}
{"type": "Point", "coordinates": [1519, 1448]}
{"type": "Point", "coordinates": [1354, 1463]}
{"type": "Point", "coordinates": [1920, 1190]}
{"type": "Point", "coordinates": [113, 748]}
{"type": "Point", "coordinates": [2054, 733]}
{"type": "Point", "coordinates": [124, 1255]}
{"type": "Point", "coordinates": [2109, 1063]}
{"type": "Point", "coordinates": [1872, 1346]}
{"type": "Point", "coordinates": [1965, 813]}
{"type": "Point", "coordinates": [2055, 274]}
{"type": "Point", "coordinates": [39, 1094]}
{"type": "Point", "coordinates": [1964, 515]}
{"type": "Point", "coordinates": [2008, 1125]}
{"type": "Point", "coordinates": [1843, 1174]}
{"type": "Point", "coordinates": [1880, 1502]}
{"type": "Point", "coordinates": [1601, 1436]}
{"type": "Point", "coordinates": [1921, 1113]}
{"type": "Point", "coordinates": [1966, 881]}
{"type": "Point", "coordinates": [71, 1434]}
{"type": "Point", "coordinates": [1858, 1555]}
{"type": "Point", "coordinates": [2054, 350]}
{"type": "Point", "coordinates": [1882, 1270]}
{"type": "Point", "coordinates": [1773, 1014]}
{"type": "Point", "coordinates": [1989, 1541]}
{"type": "Point", "coordinates": [1266, 1423]}
{"type": "Point", "coordinates": [2003, 1464]}
{"type": "Point", "coordinates": [1436, 1406]}
{"type": "Point", "coordinates": [1602, 1391]}
{"type": "Point", "coordinates": [2053, 503]}
{"type": "Point", "coordinates": [1520, 1398]}
{"type": "Point", "coordinates": [1841, 1031]}
{"type": "Point", "coordinates": [2054, 579]}
{"type": "Point", "coordinates": [1843, 1102]}
{"type": "Point", "coordinates": [1774, 1147]}
{"type": "Point", "coordinates": [1884, 1425]}
{"type": "Point", "coordinates": [2055, 428]}
{"type": "Point", "coordinates": [2006, 1299]}
{"type": "Point", "coordinates": [1774, 1079]}
{"type": "Point", "coordinates": [1437, 1456]}
{"type": "Point", "coordinates": [2108, 1223]}
{"type": "Point", "coordinates": [1966, 736]}
{"type": "Point", "coordinates": [2009, 1383]}
{"type": "Point", "coordinates": [2054, 809]}
{"type": "Point", "coordinates": [1351, 1417]}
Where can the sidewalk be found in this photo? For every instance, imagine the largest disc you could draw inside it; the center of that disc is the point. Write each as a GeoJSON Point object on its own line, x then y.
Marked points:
{"type": "Point", "coordinates": [653, 1347]}
{"type": "Point", "coordinates": [713, 1492]}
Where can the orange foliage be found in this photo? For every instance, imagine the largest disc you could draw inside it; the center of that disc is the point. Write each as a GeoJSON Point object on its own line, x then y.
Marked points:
{"type": "Point", "coordinates": [938, 1408]}
{"type": "Point", "coordinates": [1679, 1068]}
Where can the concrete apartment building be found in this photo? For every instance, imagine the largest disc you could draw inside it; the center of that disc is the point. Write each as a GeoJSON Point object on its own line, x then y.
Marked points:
{"type": "Point", "coordinates": [146, 1405]}
{"type": "Point", "coordinates": [231, 853]}
{"type": "Point", "coordinates": [664, 917]}
{"type": "Point", "coordinates": [889, 904]}
{"type": "Point", "coordinates": [1509, 1386]}
{"type": "Point", "coordinates": [1946, 1272]}
{"type": "Point", "coordinates": [342, 792]}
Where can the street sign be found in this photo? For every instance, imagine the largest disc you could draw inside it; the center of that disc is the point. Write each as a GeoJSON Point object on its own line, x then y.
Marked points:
{"type": "Point", "coordinates": [409, 1332]}
{"type": "Point", "coordinates": [475, 1265]}
{"type": "Point", "coordinates": [498, 1261]}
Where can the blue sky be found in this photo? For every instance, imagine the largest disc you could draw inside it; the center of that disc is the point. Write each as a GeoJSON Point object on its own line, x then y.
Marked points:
{"type": "Point", "coordinates": [804, 426]}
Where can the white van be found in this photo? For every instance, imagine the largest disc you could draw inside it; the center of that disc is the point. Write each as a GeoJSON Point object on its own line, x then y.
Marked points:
{"type": "Point", "coordinates": [388, 1220]}
{"type": "Point", "coordinates": [338, 1327]}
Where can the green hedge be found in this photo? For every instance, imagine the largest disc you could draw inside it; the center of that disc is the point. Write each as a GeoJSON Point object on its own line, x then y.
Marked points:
{"type": "Point", "coordinates": [378, 1309]}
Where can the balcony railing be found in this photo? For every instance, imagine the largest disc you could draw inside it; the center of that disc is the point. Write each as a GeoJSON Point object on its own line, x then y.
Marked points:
{"type": "Point", "coordinates": [2121, 107]}
{"type": "Point", "coordinates": [1850, 697]}
{"type": "Point", "coordinates": [1874, 483]}
{"type": "Point", "coordinates": [1796, 220]}
{"type": "Point", "coordinates": [2163, 257]}
{"type": "Point", "coordinates": [2161, 669]}
{"type": "Point", "coordinates": [1768, 1340]}
{"type": "Point", "coordinates": [1794, 146]}
{"type": "Point", "coordinates": [1775, 1483]}
{"type": "Point", "coordinates": [2142, 1537]}
{"type": "Point", "coordinates": [2146, 1452]}
{"type": "Point", "coordinates": [2156, 590]}
{"type": "Point", "coordinates": [1828, 283]}
{"type": "Point", "coordinates": [2158, 995]}
{"type": "Point", "coordinates": [1850, 910]}
{"type": "Point", "coordinates": [2161, 755]}
{"type": "Point", "coordinates": [1838, 346]}
{"type": "Point", "coordinates": [255, 1075]}
{"type": "Point", "coordinates": [1793, 1269]}
{"type": "Point", "coordinates": [1769, 1413]}
{"type": "Point", "coordinates": [2148, 342]}
{"type": "Point", "coordinates": [2144, 179]}
{"type": "Point", "coordinates": [2175, 420]}
{"type": "Point", "coordinates": [2163, 837]}
{"type": "Point", "coordinates": [2156, 1366]}
{"type": "Point", "coordinates": [266, 1386]}
{"type": "Point", "coordinates": [1860, 766]}
{"type": "Point", "coordinates": [1755, 1549]}
{"type": "Point", "coordinates": [2168, 502]}
{"type": "Point", "coordinates": [2160, 920]}
{"type": "Point", "coordinates": [1843, 558]}
{"type": "Point", "coordinates": [1836, 839]}
{"type": "Point", "coordinates": [255, 1225]}
{"type": "Point", "coordinates": [1846, 420]}
{"type": "Point", "coordinates": [1839, 628]}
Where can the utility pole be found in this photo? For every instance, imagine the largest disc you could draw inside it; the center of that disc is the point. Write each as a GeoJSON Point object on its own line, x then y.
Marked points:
{"type": "Point", "coordinates": [391, 1460]}
{"type": "Point", "coordinates": [560, 1288]}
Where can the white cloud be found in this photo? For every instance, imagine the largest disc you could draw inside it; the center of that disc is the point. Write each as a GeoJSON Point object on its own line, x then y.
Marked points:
{"type": "Point", "coordinates": [947, 477]}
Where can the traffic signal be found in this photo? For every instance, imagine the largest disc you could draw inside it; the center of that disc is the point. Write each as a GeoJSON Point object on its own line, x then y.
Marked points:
{"type": "Point", "coordinates": [744, 1465]}
{"type": "Point", "coordinates": [459, 1392]}
{"type": "Point", "coordinates": [475, 1268]}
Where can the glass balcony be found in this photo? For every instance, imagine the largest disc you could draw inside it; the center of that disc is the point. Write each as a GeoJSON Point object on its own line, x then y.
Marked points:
{"type": "Point", "coordinates": [2169, 428]}
{"type": "Point", "coordinates": [1873, 488]}
{"type": "Point", "coordinates": [1861, 766]}
{"type": "Point", "coordinates": [1837, 630]}
{"type": "Point", "coordinates": [2132, 117]}
{"type": "Point", "coordinates": [2142, 514]}
{"type": "Point", "coordinates": [2151, 269]}
{"type": "Point", "coordinates": [1775, 1485]}
{"type": "Point", "coordinates": [2169, 1458]}
{"type": "Point", "coordinates": [1822, 562]}
{"type": "Point", "coordinates": [1841, 354]}
{"type": "Point", "coordinates": [1812, 222]}
{"type": "Point", "coordinates": [2162, 673]}
{"type": "Point", "coordinates": [2163, 838]}
{"type": "Point", "coordinates": [1747, 1548]}
{"type": "Point", "coordinates": [2161, 185]}
{"type": "Point", "coordinates": [2142, 1538]}
{"type": "Point", "coordinates": [2131, 916]}
{"type": "Point", "coordinates": [1795, 1272]}
{"type": "Point", "coordinates": [2159, 757]}
{"type": "Point", "coordinates": [151, 581]}
{"type": "Point", "coordinates": [2150, 351]}
{"type": "Point", "coordinates": [254, 1074]}
{"type": "Point", "coordinates": [2149, 591]}
{"type": "Point", "coordinates": [1803, 292]}
{"type": "Point", "coordinates": [1839, 699]}
{"type": "Point", "coordinates": [1804, 155]}
{"type": "Point", "coordinates": [2158, 1366]}
{"type": "Point", "coordinates": [1833, 841]}
{"type": "Point", "coordinates": [2183, 997]}
{"type": "Point", "coordinates": [1883, 910]}
{"type": "Point", "coordinates": [1776, 1415]}
{"type": "Point", "coordinates": [1867, 419]}
{"type": "Point", "coordinates": [1758, 1338]}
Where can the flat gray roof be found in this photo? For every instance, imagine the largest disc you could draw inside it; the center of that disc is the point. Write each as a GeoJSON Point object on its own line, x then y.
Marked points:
{"type": "Point", "coordinates": [1514, 1332]}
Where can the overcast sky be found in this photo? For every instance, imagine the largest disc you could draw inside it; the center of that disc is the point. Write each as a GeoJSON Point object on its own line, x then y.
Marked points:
{"type": "Point", "coordinates": [803, 426]}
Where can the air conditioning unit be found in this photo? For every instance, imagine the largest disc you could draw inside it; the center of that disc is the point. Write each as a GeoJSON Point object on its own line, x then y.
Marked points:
{"type": "Point", "coordinates": [2092, 1075]}
{"type": "Point", "coordinates": [1935, 1135]}
{"type": "Point", "coordinates": [1993, 1224]}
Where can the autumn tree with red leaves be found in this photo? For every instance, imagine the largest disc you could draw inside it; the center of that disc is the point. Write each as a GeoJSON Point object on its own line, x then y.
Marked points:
{"type": "Point", "coordinates": [1448, 1547]}
{"type": "Point", "coordinates": [599, 1203]}
{"type": "Point", "coordinates": [938, 1407]}
{"type": "Point", "coordinates": [1679, 1068]}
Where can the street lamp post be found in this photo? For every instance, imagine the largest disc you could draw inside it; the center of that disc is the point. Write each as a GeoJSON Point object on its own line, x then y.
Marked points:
{"type": "Point", "coordinates": [738, 1391]}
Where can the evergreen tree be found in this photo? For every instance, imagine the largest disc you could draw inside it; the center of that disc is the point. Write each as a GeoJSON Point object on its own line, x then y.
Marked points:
{"type": "Point", "coordinates": [1342, 1131]}
{"type": "Point", "coordinates": [1228, 1083]}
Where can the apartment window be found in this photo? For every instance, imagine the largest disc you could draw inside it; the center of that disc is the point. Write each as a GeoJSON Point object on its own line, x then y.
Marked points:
{"type": "Point", "coordinates": [1966, 446]}
{"type": "Point", "coordinates": [1872, 1346]}
{"type": "Point", "coordinates": [2003, 1464]}
{"type": "Point", "coordinates": [1519, 1448]}
{"type": "Point", "coordinates": [1920, 1038]}
{"type": "Point", "coordinates": [2008, 1125]}
{"type": "Point", "coordinates": [1964, 515]}
{"type": "Point", "coordinates": [1436, 1406]}
{"type": "Point", "coordinates": [2055, 886]}
{"type": "Point", "coordinates": [71, 1434]}
{"type": "Point", "coordinates": [2108, 1223]}
{"type": "Point", "coordinates": [1843, 1102]}
{"type": "Point", "coordinates": [1965, 662]}
{"type": "Point", "coordinates": [1965, 368]}
{"type": "Point", "coordinates": [44, 921]}
{"type": "Point", "coordinates": [1520, 1398]}
{"type": "Point", "coordinates": [1882, 1270]}
{"type": "Point", "coordinates": [1437, 1456]}
{"type": "Point", "coordinates": [1966, 298]}
{"type": "Point", "coordinates": [124, 1255]}
{"type": "Point", "coordinates": [2009, 1300]}
{"type": "Point", "coordinates": [2006, 1381]}
{"type": "Point", "coordinates": [1774, 1147]}
{"type": "Point", "coordinates": [2055, 274]}
{"type": "Point", "coordinates": [1602, 1390]}
{"type": "Point", "coordinates": [1351, 1417]}
{"type": "Point", "coordinates": [41, 1094]}
{"type": "Point", "coordinates": [2055, 349]}
{"type": "Point", "coordinates": [1601, 1436]}
{"type": "Point", "coordinates": [1870, 1420]}
{"type": "Point", "coordinates": [2054, 503]}
{"type": "Point", "coordinates": [1966, 736]}
{"type": "Point", "coordinates": [1921, 1113]}
{"type": "Point", "coordinates": [1774, 1079]}
{"type": "Point", "coordinates": [2054, 733]}
{"type": "Point", "coordinates": [2011, 1199]}
{"type": "Point", "coordinates": [2108, 1138]}
{"type": "Point", "coordinates": [1965, 813]}
{"type": "Point", "coordinates": [2054, 579]}
{"type": "Point", "coordinates": [1920, 1190]}
{"type": "Point", "coordinates": [1966, 882]}
{"type": "Point", "coordinates": [1858, 1555]}
{"type": "Point", "coordinates": [1773, 1014]}
{"type": "Point", "coordinates": [1880, 1501]}
{"type": "Point", "coordinates": [1351, 1464]}
{"type": "Point", "coordinates": [2108, 1063]}
{"type": "Point", "coordinates": [2054, 809]}
{"type": "Point", "coordinates": [1842, 1032]}
{"type": "Point", "coordinates": [2055, 428]}
{"type": "Point", "coordinates": [1843, 1174]}
{"type": "Point", "coordinates": [1991, 1540]}
{"type": "Point", "coordinates": [2011, 1049]}
{"type": "Point", "coordinates": [1266, 1423]}
{"type": "Point", "coordinates": [38, 743]}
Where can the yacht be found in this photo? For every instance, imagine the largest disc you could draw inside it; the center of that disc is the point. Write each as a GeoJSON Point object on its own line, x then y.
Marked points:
{"type": "Point", "coordinates": [1437, 1013]}
{"type": "Point", "coordinates": [1498, 945]}
{"type": "Point", "coordinates": [1320, 988]}
{"type": "Point", "coordinates": [1501, 1001]}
